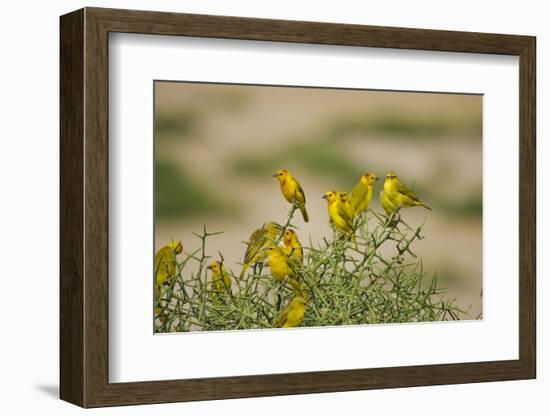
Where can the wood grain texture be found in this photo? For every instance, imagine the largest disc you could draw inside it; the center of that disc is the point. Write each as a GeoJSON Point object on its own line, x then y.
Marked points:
{"type": "Point", "coordinates": [84, 204]}
{"type": "Point", "coordinates": [71, 213]}
{"type": "Point", "coordinates": [527, 208]}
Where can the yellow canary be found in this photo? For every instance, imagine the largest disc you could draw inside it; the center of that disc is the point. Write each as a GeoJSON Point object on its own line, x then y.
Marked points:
{"type": "Point", "coordinates": [279, 263]}
{"type": "Point", "coordinates": [259, 240]}
{"type": "Point", "coordinates": [292, 247]}
{"type": "Point", "coordinates": [165, 261]}
{"type": "Point", "coordinates": [345, 209]}
{"type": "Point", "coordinates": [292, 191]}
{"type": "Point", "coordinates": [361, 194]}
{"type": "Point", "coordinates": [221, 281]}
{"type": "Point", "coordinates": [399, 194]}
{"type": "Point", "coordinates": [387, 203]}
{"type": "Point", "coordinates": [338, 213]}
{"type": "Point", "coordinates": [165, 268]}
{"type": "Point", "coordinates": [292, 315]}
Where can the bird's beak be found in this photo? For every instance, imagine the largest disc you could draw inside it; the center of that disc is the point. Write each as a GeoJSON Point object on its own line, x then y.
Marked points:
{"type": "Point", "coordinates": [275, 175]}
{"type": "Point", "coordinates": [209, 267]}
{"type": "Point", "coordinates": [324, 197]}
{"type": "Point", "coordinates": [377, 178]}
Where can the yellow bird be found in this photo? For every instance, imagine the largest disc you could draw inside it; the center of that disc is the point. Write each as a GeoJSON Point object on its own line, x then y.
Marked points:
{"type": "Point", "coordinates": [292, 247]}
{"type": "Point", "coordinates": [259, 240]}
{"type": "Point", "coordinates": [221, 281]}
{"type": "Point", "coordinates": [345, 209]}
{"type": "Point", "coordinates": [292, 191]}
{"type": "Point", "coordinates": [338, 213]}
{"type": "Point", "coordinates": [165, 261]}
{"type": "Point", "coordinates": [165, 268]}
{"type": "Point", "coordinates": [279, 263]}
{"type": "Point", "coordinates": [361, 194]}
{"type": "Point", "coordinates": [399, 195]}
{"type": "Point", "coordinates": [387, 203]}
{"type": "Point", "coordinates": [292, 315]}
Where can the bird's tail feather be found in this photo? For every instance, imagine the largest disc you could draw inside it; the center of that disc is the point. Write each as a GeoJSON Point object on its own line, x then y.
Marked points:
{"type": "Point", "coordinates": [243, 271]}
{"type": "Point", "coordinates": [304, 213]}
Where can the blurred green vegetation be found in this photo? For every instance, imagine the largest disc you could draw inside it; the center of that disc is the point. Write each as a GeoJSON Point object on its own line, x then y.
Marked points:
{"type": "Point", "coordinates": [228, 101]}
{"type": "Point", "coordinates": [322, 159]}
{"type": "Point", "coordinates": [176, 124]}
{"type": "Point", "coordinates": [393, 125]}
{"type": "Point", "coordinates": [468, 206]}
{"type": "Point", "coordinates": [177, 194]}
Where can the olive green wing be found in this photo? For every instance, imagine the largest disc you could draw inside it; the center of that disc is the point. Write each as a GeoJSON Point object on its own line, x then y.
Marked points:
{"type": "Point", "coordinates": [255, 244]}
{"type": "Point", "coordinates": [358, 195]}
{"type": "Point", "coordinates": [227, 281]}
{"type": "Point", "coordinates": [165, 264]}
{"type": "Point", "coordinates": [300, 194]}
{"type": "Point", "coordinates": [281, 318]}
{"type": "Point", "coordinates": [345, 215]}
{"type": "Point", "coordinates": [403, 190]}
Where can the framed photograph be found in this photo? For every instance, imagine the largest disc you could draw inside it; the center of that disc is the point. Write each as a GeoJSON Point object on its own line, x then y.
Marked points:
{"type": "Point", "coordinates": [255, 207]}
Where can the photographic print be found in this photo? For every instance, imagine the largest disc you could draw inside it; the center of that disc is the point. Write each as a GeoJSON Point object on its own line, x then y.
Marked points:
{"type": "Point", "coordinates": [289, 207]}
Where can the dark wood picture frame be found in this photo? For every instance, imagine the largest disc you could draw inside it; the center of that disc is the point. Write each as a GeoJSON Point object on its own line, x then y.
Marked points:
{"type": "Point", "coordinates": [84, 207]}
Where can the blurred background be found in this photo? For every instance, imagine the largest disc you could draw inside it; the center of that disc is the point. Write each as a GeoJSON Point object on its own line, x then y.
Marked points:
{"type": "Point", "coordinates": [217, 146]}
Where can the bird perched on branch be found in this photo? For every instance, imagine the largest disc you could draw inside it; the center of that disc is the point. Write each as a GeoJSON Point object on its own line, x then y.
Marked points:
{"type": "Point", "coordinates": [339, 212]}
{"type": "Point", "coordinates": [387, 203]}
{"type": "Point", "coordinates": [165, 261]}
{"type": "Point", "coordinates": [292, 191]}
{"type": "Point", "coordinates": [259, 240]}
{"type": "Point", "coordinates": [279, 263]}
{"type": "Point", "coordinates": [361, 194]}
{"type": "Point", "coordinates": [292, 247]}
{"type": "Point", "coordinates": [396, 195]}
{"type": "Point", "coordinates": [165, 267]}
{"type": "Point", "coordinates": [292, 315]}
{"type": "Point", "coordinates": [221, 281]}
{"type": "Point", "coordinates": [345, 209]}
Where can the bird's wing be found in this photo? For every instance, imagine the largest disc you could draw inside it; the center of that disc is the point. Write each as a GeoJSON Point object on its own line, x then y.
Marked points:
{"type": "Point", "coordinates": [217, 284]}
{"type": "Point", "coordinates": [403, 190]}
{"type": "Point", "coordinates": [345, 214]}
{"type": "Point", "coordinates": [294, 263]}
{"type": "Point", "coordinates": [300, 194]}
{"type": "Point", "coordinates": [249, 254]}
{"type": "Point", "coordinates": [358, 194]}
{"type": "Point", "coordinates": [281, 318]}
{"type": "Point", "coordinates": [254, 245]}
{"type": "Point", "coordinates": [227, 280]}
{"type": "Point", "coordinates": [165, 261]}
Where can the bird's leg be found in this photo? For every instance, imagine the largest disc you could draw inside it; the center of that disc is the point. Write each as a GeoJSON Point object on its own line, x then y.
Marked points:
{"type": "Point", "coordinates": [399, 213]}
{"type": "Point", "coordinates": [394, 218]}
